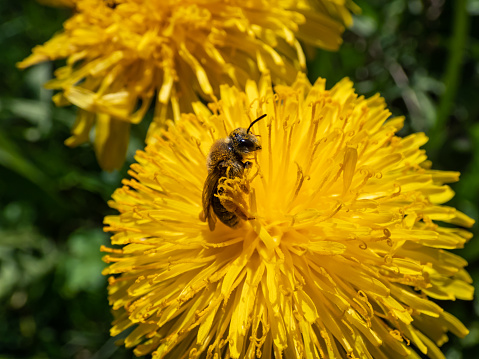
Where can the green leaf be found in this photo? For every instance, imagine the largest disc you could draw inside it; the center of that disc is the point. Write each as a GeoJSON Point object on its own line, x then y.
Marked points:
{"type": "Point", "coordinates": [81, 264]}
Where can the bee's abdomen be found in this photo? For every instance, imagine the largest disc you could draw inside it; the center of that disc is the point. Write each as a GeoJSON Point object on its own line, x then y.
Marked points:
{"type": "Point", "coordinates": [228, 218]}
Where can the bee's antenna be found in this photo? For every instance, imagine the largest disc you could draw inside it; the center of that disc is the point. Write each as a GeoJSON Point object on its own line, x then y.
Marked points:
{"type": "Point", "coordinates": [252, 123]}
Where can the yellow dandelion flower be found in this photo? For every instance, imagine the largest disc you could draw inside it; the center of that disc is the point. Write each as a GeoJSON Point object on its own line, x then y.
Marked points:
{"type": "Point", "coordinates": [123, 56]}
{"type": "Point", "coordinates": [343, 250]}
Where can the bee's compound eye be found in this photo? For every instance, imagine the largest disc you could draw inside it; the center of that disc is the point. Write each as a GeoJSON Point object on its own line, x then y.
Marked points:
{"type": "Point", "coordinates": [246, 143]}
{"type": "Point", "coordinates": [248, 164]}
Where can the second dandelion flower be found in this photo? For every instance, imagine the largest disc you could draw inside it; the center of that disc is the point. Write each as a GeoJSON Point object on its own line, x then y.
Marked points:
{"type": "Point", "coordinates": [125, 57]}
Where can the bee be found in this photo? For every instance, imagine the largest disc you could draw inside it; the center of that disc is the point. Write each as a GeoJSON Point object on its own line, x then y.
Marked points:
{"type": "Point", "coordinates": [227, 158]}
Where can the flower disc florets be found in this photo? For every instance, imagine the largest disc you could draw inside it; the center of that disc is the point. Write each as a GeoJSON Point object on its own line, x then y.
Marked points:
{"type": "Point", "coordinates": [340, 260]}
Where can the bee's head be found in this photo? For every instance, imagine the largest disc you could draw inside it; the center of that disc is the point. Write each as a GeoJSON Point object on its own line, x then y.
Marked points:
{"type": "Point", "coordinates": [243, 141]}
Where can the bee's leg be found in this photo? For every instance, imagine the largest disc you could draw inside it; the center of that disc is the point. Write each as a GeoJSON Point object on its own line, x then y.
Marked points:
{"type": "Point", "coordinates": [244, 184]}
{"type": "Point", "coordinates": [238, 209]}
{"type": "Point", "coordinates": [245, 187]}
{"type": "Point", "coordinates": [241, 181]}
{"type": "Point", "coordinates": [231, 191]}
{"type": "Point", "coordinates": [231, 185]}
{"type": "Point", "coordinates": [232, 199]}
{"type": "Point", "coordinates": [244, 216]}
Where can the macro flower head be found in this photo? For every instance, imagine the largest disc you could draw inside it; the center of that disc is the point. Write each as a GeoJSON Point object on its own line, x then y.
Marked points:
{"type": "Point", "coordinates": [340, 258]}
{"type": "Point", "coordinates": [125, 56]}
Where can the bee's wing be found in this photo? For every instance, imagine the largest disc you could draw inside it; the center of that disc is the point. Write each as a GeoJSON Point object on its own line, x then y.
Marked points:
{"type": "Point", "coordinates": [209, 190]}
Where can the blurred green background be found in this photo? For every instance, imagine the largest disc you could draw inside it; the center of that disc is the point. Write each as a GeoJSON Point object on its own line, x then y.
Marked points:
{"type": "Point", "coordinates": [422, 56]}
